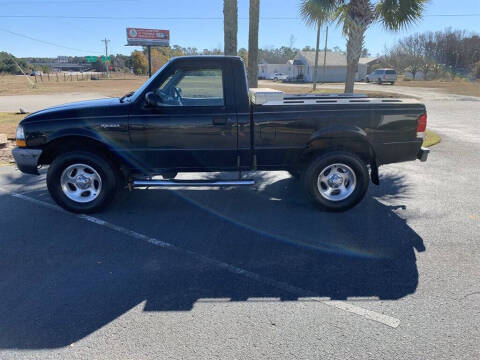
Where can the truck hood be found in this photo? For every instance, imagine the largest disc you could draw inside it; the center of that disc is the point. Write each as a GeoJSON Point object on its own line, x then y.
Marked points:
{"type": "Point", "coordinates": [81, 109]}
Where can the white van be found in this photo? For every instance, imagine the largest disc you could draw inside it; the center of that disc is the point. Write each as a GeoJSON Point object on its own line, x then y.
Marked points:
{"type": "Point", "coordinates": [381, 76]}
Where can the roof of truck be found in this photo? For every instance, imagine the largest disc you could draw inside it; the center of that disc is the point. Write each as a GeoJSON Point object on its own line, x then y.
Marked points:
{"type": "Point", "coordinates": [192, 57]}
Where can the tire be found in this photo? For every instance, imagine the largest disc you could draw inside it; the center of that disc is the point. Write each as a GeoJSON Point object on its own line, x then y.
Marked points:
{"type": "Point", "coordinates": [82, 181]}
{"type": "Point", "coordinates": [275, 79]}
{"type": "Point", "coordinates": [367, 80]}
{"type": "Point", "coordinates": [393, 83]}
{"type": "Point", "coordinates": [349, 169]}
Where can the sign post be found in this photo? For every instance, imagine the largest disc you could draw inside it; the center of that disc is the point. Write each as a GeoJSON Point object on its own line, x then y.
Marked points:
{"type": "Point", "coordinates": [148, 38]}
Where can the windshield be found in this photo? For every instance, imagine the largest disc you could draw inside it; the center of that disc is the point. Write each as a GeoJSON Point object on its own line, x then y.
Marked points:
{"type": "Point", "coordinates": [147, 83]}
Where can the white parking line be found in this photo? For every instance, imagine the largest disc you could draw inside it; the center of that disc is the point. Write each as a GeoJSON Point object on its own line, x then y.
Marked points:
{"type": "Point", "coordinates": [299, 292]}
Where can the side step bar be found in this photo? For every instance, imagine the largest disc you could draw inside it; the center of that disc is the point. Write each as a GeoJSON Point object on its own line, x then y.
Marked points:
{"type": "Point", "coordinates": [198, 183]}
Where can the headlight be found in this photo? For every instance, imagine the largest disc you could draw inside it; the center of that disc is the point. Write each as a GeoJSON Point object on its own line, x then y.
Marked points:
{"type": "Point", "coordinates": [20, 137]}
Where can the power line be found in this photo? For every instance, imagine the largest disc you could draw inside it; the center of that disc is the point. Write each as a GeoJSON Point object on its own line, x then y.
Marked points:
{"type": "Point", "coordinates": [43, 2]}
{"type": "Point", "coordinates": [46, 42]}
{"type": "Point", "coordinates": [80, 17]}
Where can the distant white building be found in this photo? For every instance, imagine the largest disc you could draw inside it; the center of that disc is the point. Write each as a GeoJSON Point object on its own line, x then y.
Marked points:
{"type": "Point", "coordinates": [267, 71]}
{"type": "Point", "coordinates": [62, 59]}
{"type": "Point", "coordinates": [301, 67]}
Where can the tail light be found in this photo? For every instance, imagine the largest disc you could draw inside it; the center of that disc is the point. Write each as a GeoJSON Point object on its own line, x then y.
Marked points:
{"type": "Point", "coordinates": [421, 125]}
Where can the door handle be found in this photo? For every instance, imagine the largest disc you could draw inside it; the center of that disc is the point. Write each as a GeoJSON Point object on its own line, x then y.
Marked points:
{"type": "Point", "coordinates": [219, 121]}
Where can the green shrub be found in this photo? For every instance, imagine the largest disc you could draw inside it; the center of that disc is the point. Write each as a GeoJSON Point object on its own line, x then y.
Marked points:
{"type": "Point", "coordinates": [476, 70]}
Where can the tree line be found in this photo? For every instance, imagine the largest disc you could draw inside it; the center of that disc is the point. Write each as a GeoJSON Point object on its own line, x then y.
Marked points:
{"type": "Point", "coordinates": [437, 54]}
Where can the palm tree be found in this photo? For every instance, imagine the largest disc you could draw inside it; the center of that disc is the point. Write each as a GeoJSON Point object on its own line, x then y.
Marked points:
{"type": "Point", "coordinates": [253, 43]}
{"type": "Point", "coordinates": [356, 16]}
{"type": "Point", "coordinates": [230, 26]}
{"type": "Point", "coordinates": [314, 15]}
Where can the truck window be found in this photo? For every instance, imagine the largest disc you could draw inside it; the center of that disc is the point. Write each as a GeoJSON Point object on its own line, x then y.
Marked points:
{"type": "Point", "coordinates": [390, 72]}
{"type": "Point", "coordinates": [202, 87]}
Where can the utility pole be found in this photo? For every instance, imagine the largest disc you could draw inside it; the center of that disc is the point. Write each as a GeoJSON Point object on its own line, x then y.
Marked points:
{"type": "Point", "coordinates": [106, 41]}
{"type": "Point", "coordinates": [325, 57]}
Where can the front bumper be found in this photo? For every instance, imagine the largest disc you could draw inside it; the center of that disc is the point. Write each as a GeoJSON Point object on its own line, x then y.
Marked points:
{"type": "Point", "coordinates": [27, 159]}
{"type": "Point", "coordinates": [422, 154]}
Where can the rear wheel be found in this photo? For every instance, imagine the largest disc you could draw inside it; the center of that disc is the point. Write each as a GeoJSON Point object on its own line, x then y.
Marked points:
{"type": "Point", "coordinates": [337, 180]}
{"type": "Point", "coordinates": [275, 79]}
{"type": "Point", "coordinates": [81, 181]}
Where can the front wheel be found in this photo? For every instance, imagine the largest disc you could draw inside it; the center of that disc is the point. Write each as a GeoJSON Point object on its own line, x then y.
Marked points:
{"type": "Point", "coordinates": [337, 180]}
{"type": "Point", "coordinates": [81, 181]}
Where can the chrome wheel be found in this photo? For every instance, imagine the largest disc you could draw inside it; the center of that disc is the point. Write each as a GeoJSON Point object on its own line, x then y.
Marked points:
{"type": "Point", "coordinates": [81, 183]}
{"type": "Point", "coordinates": [336, 182]}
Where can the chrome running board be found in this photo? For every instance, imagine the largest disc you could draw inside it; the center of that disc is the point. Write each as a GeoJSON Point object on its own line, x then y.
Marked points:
{"type": "Point", "coordinates": [196, 183]}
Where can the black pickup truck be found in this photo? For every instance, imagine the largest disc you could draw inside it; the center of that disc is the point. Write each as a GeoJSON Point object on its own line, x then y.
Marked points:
{"type": "Point", "coordinates": [195, 115]}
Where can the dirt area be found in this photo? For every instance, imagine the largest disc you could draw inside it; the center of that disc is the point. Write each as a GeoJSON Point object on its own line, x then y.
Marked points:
{"type": "Point", "coordinates": [459, 87]}
{"type": "Point", "coordinates": [6, 153]}
{"type": "Point", "coordinates": [118, 85]}
{"type": "Point", "coordinates": [8, 125]}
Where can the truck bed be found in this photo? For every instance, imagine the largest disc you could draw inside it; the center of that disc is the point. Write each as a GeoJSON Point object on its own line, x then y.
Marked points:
{"type": "Point", "coordinates": [282, 128]}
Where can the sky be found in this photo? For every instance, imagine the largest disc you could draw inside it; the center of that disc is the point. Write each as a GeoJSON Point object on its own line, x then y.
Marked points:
{"type": "Point", "coordinates": [24, 24]}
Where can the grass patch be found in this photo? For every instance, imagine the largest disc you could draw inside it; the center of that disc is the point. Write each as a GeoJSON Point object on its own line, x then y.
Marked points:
{"type": "Point", "coordinates": [118, 85]}
{"type": "Point", "coordinates": [9, 122]}
{"type": "Point", "coordinates": [457, 86]}
{"type": "Point", "coordinates": [430, 139]}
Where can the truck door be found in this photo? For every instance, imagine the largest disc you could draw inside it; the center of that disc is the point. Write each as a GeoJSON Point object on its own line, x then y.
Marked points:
{"type": "Point", "coordinates": [195, 126]}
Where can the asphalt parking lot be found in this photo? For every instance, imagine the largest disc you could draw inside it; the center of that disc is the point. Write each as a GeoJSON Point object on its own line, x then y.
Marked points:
{"type": "Point", "coordinates": [253, 273]}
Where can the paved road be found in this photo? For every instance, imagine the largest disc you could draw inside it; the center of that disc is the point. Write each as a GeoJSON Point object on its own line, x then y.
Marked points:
{"type": "Point", "coordinates": [253, 273]}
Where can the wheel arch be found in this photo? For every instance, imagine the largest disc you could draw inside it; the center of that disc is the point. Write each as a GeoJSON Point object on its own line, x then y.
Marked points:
{"type": "Point", "coordinates": [341, 138]}
{"type": "Point", "coordinates": [62, 143]}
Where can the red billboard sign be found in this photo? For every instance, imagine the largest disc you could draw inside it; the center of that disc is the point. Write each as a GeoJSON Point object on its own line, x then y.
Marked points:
{"type": "Point", "coordinates": [153, 37]}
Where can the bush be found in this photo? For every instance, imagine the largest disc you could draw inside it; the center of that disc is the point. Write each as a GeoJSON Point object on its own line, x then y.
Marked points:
{"type": "Point", "coordinates": [476, 70]}
{"type": "Point", "coordinates": [7, 64]}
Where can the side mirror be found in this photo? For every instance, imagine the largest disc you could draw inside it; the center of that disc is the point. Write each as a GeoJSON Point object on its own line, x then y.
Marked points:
{"type": "Point", "coordinates": [153, 99]}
